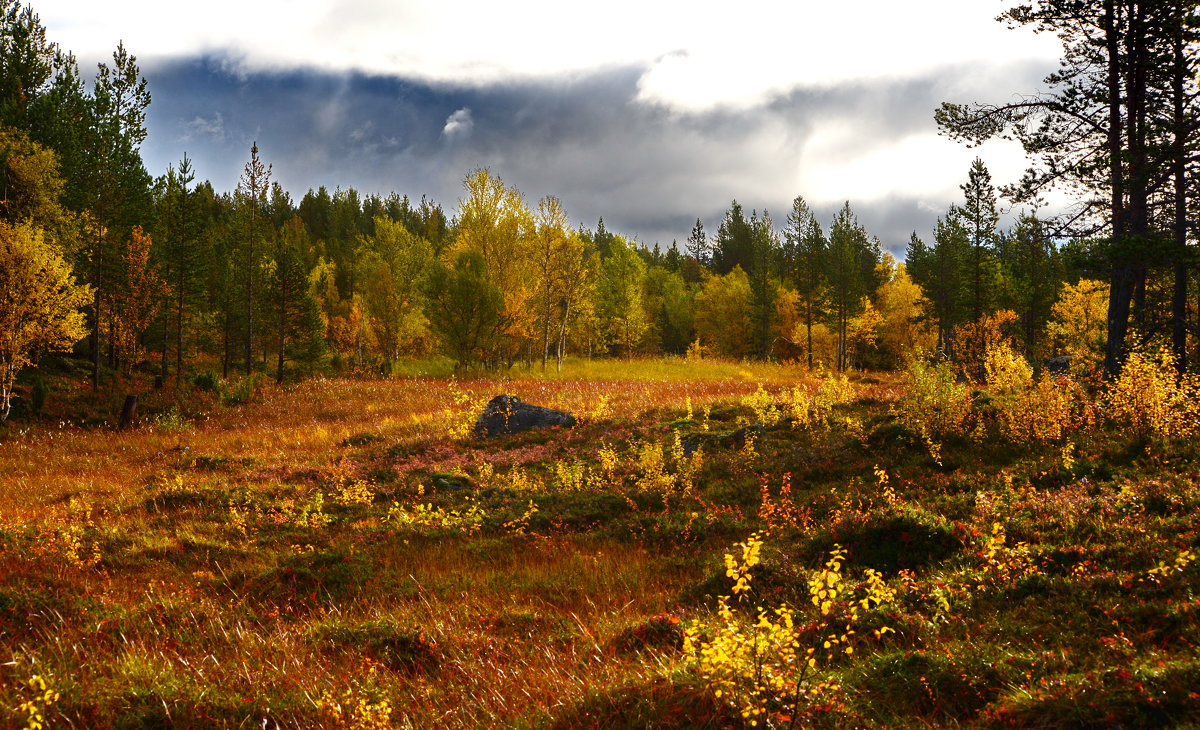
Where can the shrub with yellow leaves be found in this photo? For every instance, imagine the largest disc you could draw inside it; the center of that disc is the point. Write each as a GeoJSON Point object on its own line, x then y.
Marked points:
{"type": "Point", "coordinates": [937, 404]}
{"type": "Point", "coordinates": [810, 410]}
{"type": "Point", "coordinates": [40, 697]}
{"type": "Point", "coordinates": [1027, 410]}
{"type": "Point", "coordinates": [354, 712]}
{"type": "Point", "coordinates": [468, 520]}
{"type": "Point", "coordinates": [767, 666]}
{"type": "Point", "coordinates": [1150, 398]}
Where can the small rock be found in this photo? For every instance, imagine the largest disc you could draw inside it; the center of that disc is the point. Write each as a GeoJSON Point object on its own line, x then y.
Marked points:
{"type": "Point", "coordinates": [1060, 365]}
{"type": "Point", "coordinates": [509, 414]}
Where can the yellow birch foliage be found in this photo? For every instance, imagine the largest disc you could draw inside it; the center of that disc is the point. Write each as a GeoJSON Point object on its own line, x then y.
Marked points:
{"type": "Point", "coordinates": [495, 222]}
{"type": "Point", "coordinates": [723, 313]}
{"type": "Point", "coordinates": [1027, 410]}
{"type": "Point", "coordinates": [1149, 398]}
{"type": "Point", "coordinates": [899, 302]}
{"type": "Point", "coordinates": [973, 340]}
{"type": "Point", "coordinates": [136, 302]}
{"type": "Point", "coordinates": [937, 404]}
{"type": "Point", "coordinates": [39, 303]}
{"type": "Point", "coordinates": [1079, 323]}
{"type": "Point", "coordinates": [765, 663]}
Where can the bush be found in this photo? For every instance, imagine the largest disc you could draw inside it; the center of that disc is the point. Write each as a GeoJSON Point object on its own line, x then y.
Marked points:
{"type": "Point", "coordinates": [1027, 410]}
{"type": "Point", "coordinates": [240, 392]}
{"type": "Point", "coordinates": [1150, 398]}
{"type": "Point", "coordinates": [937, 404]}
{"type": "Point", "coordinates": [206, 380]}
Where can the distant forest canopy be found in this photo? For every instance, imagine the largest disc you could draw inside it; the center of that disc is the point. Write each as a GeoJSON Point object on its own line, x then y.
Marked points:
{"type": "Point", "coordinates": [173, 276]}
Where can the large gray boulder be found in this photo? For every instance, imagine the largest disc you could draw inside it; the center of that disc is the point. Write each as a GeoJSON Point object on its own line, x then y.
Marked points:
{"type": "Point", "coordinates": [509, 414]}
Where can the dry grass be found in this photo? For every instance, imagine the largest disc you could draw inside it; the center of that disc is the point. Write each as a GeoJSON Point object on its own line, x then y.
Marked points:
{"type": "Point", "coordinates": [133, 590]}
{"type": "Point", "coordinates": [270, 563]}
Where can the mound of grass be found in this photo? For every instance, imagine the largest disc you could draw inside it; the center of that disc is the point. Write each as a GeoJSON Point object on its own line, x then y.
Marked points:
{"type": "Point", "coordinates": [1114, 698]}
{"type": "Point", "coordinates": [889, 540]}
{"type": "Point", "coordinates": [321, 576]}
{"type": "Point", "coordinates": [395, 647]}
{"type": "Point", "coordinates": [663, 632]}
{"type": "Point", "coordinates": [361, 439]}
{"type": "Point", "coordinates": [929, 685]}
{"type": "Point", "coordinates": [658, 705]}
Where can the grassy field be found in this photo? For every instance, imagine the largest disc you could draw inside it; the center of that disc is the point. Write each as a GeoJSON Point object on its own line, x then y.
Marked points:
{"type": "Point", "coordinates": [714, 545]}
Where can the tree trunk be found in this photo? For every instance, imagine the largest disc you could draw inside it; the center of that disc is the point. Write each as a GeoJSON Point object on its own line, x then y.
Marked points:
{"type": "Point", "coordinates": [1179, 295]}
{"type": "Point", "coordinates": [129, 412]}
{"type": "Point", "coordinates": [808, 327]}
{"type": "Point", "coordinates": [98, 277]}
{"type": "Point", "coordinates": [179, 329]}
{"type": "Point", "coordinates": [250, 297]}
{"type": "Point", "coordinates": [1121, 274]}
{"type": "Point", "coordinates": [225, 346]}
{"type": "Point", "coordinates": [282, 340]}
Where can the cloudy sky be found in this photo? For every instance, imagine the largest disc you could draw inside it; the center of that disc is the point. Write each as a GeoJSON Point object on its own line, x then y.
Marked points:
{"type": "Point", "coordinates": [650, 114]}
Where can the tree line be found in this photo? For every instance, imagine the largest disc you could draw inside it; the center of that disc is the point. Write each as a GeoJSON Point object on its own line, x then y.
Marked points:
{"type": "Point", "coordinates": [179, 277]}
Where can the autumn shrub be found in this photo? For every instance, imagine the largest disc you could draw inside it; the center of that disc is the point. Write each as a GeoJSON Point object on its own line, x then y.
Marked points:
{"type": "Point", "coordinates": [768, 664]}
{"type": "Point", "coordinates": [238, 392]}
{"type": "Point", "coordinates": [1150, 399]}
{"type": "Point", "coordinates": [973, 340]}
{"type": "Point", "coordinates": [812, 409]}
{"type": "Point", "coordinates": [1027, 410]}
{"type": "Point", "coordinates": [1079, 324]}
{"type": "Point", "coordinates": [206, 380]}
{"type": "Point", "coordinates": [937, 404]}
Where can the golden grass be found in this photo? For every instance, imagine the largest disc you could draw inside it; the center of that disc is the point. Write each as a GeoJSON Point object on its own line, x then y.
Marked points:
{"type": "Point", "coordinates": [174, 609]}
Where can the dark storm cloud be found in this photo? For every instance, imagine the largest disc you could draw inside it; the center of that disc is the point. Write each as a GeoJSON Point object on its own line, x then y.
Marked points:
{"type": "Point", "coordinates": [649, 171]}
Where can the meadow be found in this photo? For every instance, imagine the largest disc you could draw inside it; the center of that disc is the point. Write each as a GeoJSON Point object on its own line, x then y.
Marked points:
{"type": "Point", "coordinates": [715, 545]}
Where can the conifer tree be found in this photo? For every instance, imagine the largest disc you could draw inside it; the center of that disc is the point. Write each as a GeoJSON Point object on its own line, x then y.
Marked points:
{"type": "Point", "coordinates": [698, 247]}
{"type": "Point", "coordinates": [804, 260]}
{"type": "Point", "coordinates": [252, 201]}
{"type": "Point", "coordinates": [851, 266]}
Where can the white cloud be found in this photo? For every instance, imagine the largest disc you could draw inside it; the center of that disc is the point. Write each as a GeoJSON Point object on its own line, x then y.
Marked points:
{"type": "Point", "coordinates": [698, 55]}
{"type": "Point", "coordinates": [201, 127]}
{"type": "Point", "coordinates": [459, 124]}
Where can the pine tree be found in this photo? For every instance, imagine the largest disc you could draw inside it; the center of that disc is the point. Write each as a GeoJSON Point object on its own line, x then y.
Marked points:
{"type": "Point", "coordinates": [942, 274]}
{"type": "Point", "coordinates": [298, 329]}
{"type": "Point", "coordinates": [979, 217]}
{"type": "Point", "coordinates": [252, 201]}
{"type": "Point", "coordinates": [118, 183]}
{"type": "Point", "coordinates": [804, 253]}
{"type": "Point", "coordinates": [1095, 131]}
{"type": "Point", "coordinates": [851, 266]}
{"type": "Point", "coordinates": [734, 244]}
{"type": "Point", "coordinates": [1034, 274]}
{"type": "Point", "coordinates": [698, 247]}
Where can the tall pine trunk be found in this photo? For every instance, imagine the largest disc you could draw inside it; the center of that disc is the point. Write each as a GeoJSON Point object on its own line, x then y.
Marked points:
{"type": "Point", "coordinates": [1179, 171]}
{"type": "Point", "coordinates": [1121, 274]}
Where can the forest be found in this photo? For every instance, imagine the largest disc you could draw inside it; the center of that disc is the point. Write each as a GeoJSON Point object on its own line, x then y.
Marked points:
{"type": "Point", "coordinates": [803, 482]}
{"type": "Point", "coordinates": [184, 280]}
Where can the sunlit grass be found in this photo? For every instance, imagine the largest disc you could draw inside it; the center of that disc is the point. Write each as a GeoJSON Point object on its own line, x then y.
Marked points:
{"type": "Point", "coordinates": [239, 564]}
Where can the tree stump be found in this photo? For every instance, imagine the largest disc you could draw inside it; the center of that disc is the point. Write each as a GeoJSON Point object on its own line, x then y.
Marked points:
{"type": "Point", "coordinates": [129, 412]}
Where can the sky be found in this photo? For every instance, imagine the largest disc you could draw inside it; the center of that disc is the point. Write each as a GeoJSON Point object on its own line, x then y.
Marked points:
{"type": "Point", "coordinates": [649, 114]}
